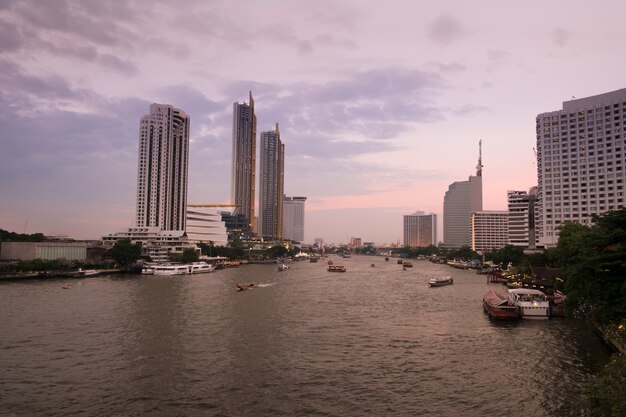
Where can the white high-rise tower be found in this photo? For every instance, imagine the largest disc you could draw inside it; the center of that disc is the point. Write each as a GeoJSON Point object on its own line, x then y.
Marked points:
{"type": "Point", "coordinates": [162, 168]}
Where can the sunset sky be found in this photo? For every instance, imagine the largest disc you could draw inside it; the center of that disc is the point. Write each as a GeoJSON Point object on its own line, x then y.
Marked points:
{"type": "Point", "coordinates": [381, 104]}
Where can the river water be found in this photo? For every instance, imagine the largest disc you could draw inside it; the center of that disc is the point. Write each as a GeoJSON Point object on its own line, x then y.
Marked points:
{"type": "Point", "coordinates": [306, 342]}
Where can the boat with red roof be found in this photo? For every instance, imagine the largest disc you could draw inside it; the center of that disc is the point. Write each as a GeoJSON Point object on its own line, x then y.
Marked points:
{"type": "Point", "coordinates": [500, 307]}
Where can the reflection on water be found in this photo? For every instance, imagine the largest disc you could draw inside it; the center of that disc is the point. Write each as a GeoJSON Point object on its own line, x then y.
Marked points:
{"type": "Point", "coordinates": [371, 341]}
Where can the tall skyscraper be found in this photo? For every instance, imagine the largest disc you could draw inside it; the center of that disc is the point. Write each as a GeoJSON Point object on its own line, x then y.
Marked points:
{"type": "Point", "coordinates": [490, 230]}
{"type": "Point", "coordinates": [420, 229]}
{"type": "Point", "coordinates": [293, 218]}
{"type": "Point", "coordinates": [522, 208]}
{"type": "Point", "coordinates": [461, 199]}
{"type": "Point", "coordinates": [581, 157]}
{"type": "Point", "coordinates": [272, 184]}
{"type": "Point", "coordinates": [162, 168]}
{"type": "Point", "coordinates": [244, 160]}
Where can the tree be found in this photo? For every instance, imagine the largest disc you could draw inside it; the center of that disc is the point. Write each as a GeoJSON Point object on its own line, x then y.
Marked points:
{"type": "Point", "coordinates": [277, 251]}
{"type": "Point", "coordinates": [189, 255]}
{"type": "Point", "coordinates": [125, 253]}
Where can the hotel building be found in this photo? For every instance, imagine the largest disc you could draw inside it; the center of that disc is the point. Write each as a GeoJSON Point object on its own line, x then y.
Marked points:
{"type": "Point", "coordinates": [522, 207]}
{"type": "Point", "coordinates": [420, 229]}
{"type": "Point", "coordinates": [162, 168]}
{"type": "Point", "coordinates": [490, 230]}
{"type": "Point", "coordinates": [272, 181]}
{"type": "Point", "coordinates": [244, 160]}
{"type": "Point", "coordinates": [293, 218]}
{"type": "Point", "coordinates": [580, 161]}
{"type": "Point", "coordinates": [461, 199]}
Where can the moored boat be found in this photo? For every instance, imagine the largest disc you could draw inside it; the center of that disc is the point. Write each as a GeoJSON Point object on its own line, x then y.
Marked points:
{"type": "Point", "coordinates": [532, 304]}
{"type": "Point", "coordinates": [499, 307]}
{"type": "Point", "coordinates": [440, 281]}
{"type": "Point", "coordinates": [172, 269]}
{"type": "Point", "coordinates": [200, 267]}
{"type": "Point", "coordinates": [283, 267]}
{"type": "Point", "coordinates": [407, 264]}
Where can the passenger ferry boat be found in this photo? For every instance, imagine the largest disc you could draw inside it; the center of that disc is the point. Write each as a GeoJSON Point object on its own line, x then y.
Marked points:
{"type": "Point", "coordinates": [532, 304]}
{"type": "Point", "coordinates": [201, 267]}
{"type": "Point", "coordinates": [499, 307]}
{"type": "Point", "coordinates": [336, 268]}
{"type": "Point", "coordinates": [440, 281]}
{"type": "Point", "coordinates": [170, 269]}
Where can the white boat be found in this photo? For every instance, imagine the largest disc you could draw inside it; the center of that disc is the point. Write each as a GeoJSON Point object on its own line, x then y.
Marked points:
{"type": "Point", "coordinates": [147, 270]}
{"type": "Point", "coordinates": [283, 267]}
{"type": "Point", "coordinates": [170, 269]}
{"type": "Point", "coordinates": [201, 267]}
{"type": "Point", "coordinates": [532, 304]}
{"type": "Point", "coordinates": [440, 281]}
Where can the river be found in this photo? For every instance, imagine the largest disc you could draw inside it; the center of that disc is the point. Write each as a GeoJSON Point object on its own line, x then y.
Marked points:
{"type": "Point", "coordinates": [371, 341]}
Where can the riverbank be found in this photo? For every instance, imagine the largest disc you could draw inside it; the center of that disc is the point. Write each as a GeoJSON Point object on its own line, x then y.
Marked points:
{"type": "Point", "coordinates": [23, 276]}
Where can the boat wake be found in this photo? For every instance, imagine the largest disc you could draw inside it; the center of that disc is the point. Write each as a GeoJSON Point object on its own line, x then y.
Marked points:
{"type": "Point", "coordinates": [266, 285]}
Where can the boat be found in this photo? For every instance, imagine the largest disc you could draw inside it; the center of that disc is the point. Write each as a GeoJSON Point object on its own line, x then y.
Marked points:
{"type": "Point", "coordinates": [67, 286]}
{"type": "Point", "coordinates": [440, 281]}
{"type": "Point", "coordinates": [346, 255]}
{"type": "Point", "coordinates": [147, 270]}
{"type": "Point", "coordinates": [532, 304]}
{"type": "Point", "coordinates": [232, 264]}
{"type": "Point", "coordinates": [243, 287]}
{"type": "Point", "coordinates": [83, 273]}
{"type": "Point", "coordinates": [170, 269]}
{"type": "Point", "coordinates": [330, 262]}
{"type": "Point", "coordinates": [407, 264]}
{"type": "Point", "coordinates": [336, 268]}
{"type": "Point", "coordinates": [283, 267]}
{"type": "Point", "coordinates": [500, 307]}
{"type": "Point", "coordinates": [200, 267]}
{"type": "Point", "coordinates": [386, 259]}
{"type": "Point", "coordinates": [313, 259]}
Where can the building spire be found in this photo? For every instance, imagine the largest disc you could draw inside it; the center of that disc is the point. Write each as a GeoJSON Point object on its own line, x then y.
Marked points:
{"type": "Point", "coordinates": [479, 167]}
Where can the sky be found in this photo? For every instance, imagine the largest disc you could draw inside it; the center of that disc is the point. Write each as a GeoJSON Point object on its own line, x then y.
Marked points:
{"type": "Point", "coordinates": [381, 105]}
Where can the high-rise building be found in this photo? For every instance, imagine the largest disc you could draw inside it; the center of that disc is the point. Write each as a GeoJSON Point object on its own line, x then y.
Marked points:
{"type": "Point", "coordinates": [355, 242]}
{"type": "Point", "coordinates": [244, 160]}
{"type": "Point", "coordinates": [205, 224]}
{"type": "Point", "coordinates": [420, 229]}
{"type": "Point", "coordinates": [293, 218]}
{"type": "Point", "coordinates": [490, 230]}
{"type": "Point", "coordinates": [461, 199]}
{"type": "Point", "coordinates": [271, 184]}
{"type": "Point", "coordinates": [522, 207]}
{"type": "Point", "coordinates": [162, 168]}
{"type": "Point", "coordinates": [581, 157]}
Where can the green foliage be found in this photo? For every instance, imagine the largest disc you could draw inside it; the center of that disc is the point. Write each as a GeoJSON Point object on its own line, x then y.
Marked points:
{"type": "Point", "coordinates": [508, 254]}
{"type": "Point", "coordinates": [594, 260]}
{"type": "Point", "coordinates": [607, 392]}
{"type": "Point", "coordinates": [277, 251]}
{"type": "Point", "coordinates": [189, 255]}
{"type": "Point", "coordinates": [6, 236]}
{"type": "Point", "coordinates": [235, 250]}
{"type": "Point", "coordinates": [125, 253]}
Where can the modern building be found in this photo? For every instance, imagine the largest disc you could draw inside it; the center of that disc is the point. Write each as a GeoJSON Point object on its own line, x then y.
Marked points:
{"type": "Point", "coordinates": [490, 230]}
{"type": "Point", "coordinates": [162, 168]}
{"type": "Point", "coordinates": [24, 251]}
{"type": "Point", "coordinates": [522, 207]}
{"type": "Point", "coordinates": [244, 160]}
{"type": "Point", "coordinates": [272, 170]}
{"type": "Point", "coordinates": [581, 157]}
{"type": "Point", "coordinates": [356, 242]}
{"type": "Point", "coordinates": [420, 229]}
{"type": "Point", "coordinates": [156, 243]}
{"type": "Point", "coordinates": [205, 225]}
{"type": "Point", "coordinates": [293, 218]}
{"type": "Point", "coordinates": [461, 199]}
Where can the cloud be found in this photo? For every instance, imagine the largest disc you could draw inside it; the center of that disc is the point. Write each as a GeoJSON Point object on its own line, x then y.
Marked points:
{"type": "Point", "coordinates": [560, 36]}
{"type": "Point", "coordinates": [445, 30]}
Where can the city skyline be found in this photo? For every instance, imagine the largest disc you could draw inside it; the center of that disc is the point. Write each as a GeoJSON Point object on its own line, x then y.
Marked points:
{"type": "Point", "coordinates": [382, 103]}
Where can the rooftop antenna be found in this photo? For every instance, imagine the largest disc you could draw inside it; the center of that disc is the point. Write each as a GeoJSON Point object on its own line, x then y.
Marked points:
{"type": "Point", "coordinates": [479, 167]}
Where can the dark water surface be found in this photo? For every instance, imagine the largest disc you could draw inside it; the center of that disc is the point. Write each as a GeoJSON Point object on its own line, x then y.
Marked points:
{"type": "Point", "coordinates": [371, 341]}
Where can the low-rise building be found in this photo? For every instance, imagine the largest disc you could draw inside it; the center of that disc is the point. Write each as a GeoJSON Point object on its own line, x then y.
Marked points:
{"type": "Point", "coordinates": [24, 251]}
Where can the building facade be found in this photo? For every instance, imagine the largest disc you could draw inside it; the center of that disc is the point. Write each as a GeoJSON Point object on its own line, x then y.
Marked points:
{"type": "Point", "coordinates": [293, 218]}
{"type": "Point", "coordinates": [461, 199]}
{"type": "Point", "coordinates": [205, 225]}
{"type": "Point", "coordinates": [243, 174]}
{"type": "Point", "coordinates": [420, 229]}
{"type": "Point", "coordinates": [522, 208]}
{"type": "Point", "coordinates": [271, 185]}
{"type": "Point", "coordinates": [490, 230]}
{"type": "Point", "coordinates": [72, 251]}
{"type": "Point", "coordinates": [580, 161]}
{"type": "Point", "coordinates": [162, 168]}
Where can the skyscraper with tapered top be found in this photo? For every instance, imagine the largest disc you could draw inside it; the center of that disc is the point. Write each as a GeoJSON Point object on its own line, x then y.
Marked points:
{"type": "Point", "coordinates": [272, 184]}
{"type": "Point", "coordinates": [461, 199]}
{"type": "Point", "coordinates": [162, 168]}
{"type": "Point", "coordinates": [244, 160]}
